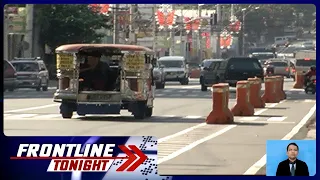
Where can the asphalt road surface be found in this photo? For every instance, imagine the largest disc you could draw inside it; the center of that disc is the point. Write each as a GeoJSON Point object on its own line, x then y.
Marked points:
{"type": "Point", "coordinates": [186, 144]}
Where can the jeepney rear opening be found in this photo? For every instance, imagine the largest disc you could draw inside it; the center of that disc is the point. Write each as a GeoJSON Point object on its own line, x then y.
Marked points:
{"type": "Point", "coordinates": [121, 79]}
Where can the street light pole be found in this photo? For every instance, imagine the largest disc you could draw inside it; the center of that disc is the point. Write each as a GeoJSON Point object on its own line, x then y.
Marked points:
{"type": "Point", "coordinates": [29, 30]}
{"type": "Point", "coordinates": [199, 34]}
{"type": "Point", "coordinates": [243, 31]}
{"type": "Point", "coordinates": [172, 37]}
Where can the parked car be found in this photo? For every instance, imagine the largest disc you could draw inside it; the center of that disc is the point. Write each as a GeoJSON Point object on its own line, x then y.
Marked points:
{"type": "Point", "coordinates": [159, 76]}
{"type": "Point", "coordinates": [9, 76]}
{"type": "Point", "coordinates": [230, 71]}
{"type": "Point", "coordinates": [31, 73]}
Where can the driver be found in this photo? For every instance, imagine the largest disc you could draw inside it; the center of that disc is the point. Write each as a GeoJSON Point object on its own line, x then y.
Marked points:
{"type": "Point", "coordinates": [94, 72]}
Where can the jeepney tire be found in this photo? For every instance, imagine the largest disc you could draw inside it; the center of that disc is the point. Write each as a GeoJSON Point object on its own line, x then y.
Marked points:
{"type": "Point", "coordinates": [203, 87]}
{"type": "Point", "coordinates": [158, 85]}
{"type": "Point", "coordinates": [163, 85]}
{"type": "Point", "coordinates": [149, 111]}
{"type": "Point", "coordinates": [184, 81]}
{"type": "Point", "coordinates": [44, 88]}
{"type": "Point", "coordinates": [140, 110]}
{"type": "Point", "coordinates": [65, 111]}
{"type": "Point", "coordinates": [38, 89]}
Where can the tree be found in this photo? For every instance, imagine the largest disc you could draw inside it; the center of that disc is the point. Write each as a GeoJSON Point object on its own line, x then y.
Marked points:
{"type": "Point", "coordinates": [64, 24]}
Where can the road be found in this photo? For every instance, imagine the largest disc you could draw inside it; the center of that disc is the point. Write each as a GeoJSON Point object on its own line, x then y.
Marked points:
{"type": "Point", "coordinates": [186, 144]}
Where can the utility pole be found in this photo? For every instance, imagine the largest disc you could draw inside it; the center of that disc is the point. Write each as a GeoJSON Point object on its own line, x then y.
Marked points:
{"type": "Point", "coordinates": [132, 27]}
{"type": "Point", "coordinates": [5, 32]}
{"type": "Point", "coordinates": [182, 42]}
{"type": "Point", "coordinates": [199, 34]}
{"type": "Point", "coordinates": [243, 32]}
{"type": "Point", "coordinates": [218, 30]}
{"type": "Point", "coordinates": [115, 24]}
{"type": "Point", "coordinates": [155, 39]}
{"type": "Point", "coordinates": [172, 36]}
{"type": "Point", "coordinates": [232, 12]}
{"type": "Point", "coordinates": [29, 30]}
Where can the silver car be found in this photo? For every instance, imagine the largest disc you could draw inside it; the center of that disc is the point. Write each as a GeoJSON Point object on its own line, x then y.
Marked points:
{"type": "Point", "coordinates": [31, 73]}
{"type": "Point", "coordinates": [281, 67]}
{"type": "Point", "coordinates": [159, 76]}
{"type": "Point", "coordinates": [175, 68]}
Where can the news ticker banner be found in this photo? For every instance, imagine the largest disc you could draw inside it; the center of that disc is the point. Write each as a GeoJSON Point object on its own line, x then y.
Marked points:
{"type": "Point", "coordinates": [81, 158]}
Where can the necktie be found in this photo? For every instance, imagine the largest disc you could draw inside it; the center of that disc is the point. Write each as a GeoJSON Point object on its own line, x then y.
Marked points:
{"type": "Point", "coordinates": [292, 170]}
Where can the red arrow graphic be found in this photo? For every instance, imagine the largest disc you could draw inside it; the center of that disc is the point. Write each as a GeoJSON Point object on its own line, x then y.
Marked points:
{"type": "Point", "coordinates": [131, 158]}
{"type": "Point", "coordinates": [141, 159]}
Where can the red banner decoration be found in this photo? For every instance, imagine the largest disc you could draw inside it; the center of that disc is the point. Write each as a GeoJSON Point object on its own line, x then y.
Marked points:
{"type": "Point", "coordinates": [100, 8]}
{"type": "Point", "coordinates": [235, 27]}
{"type": "Point", "coordinates": [193, 25]}
{"type": "Point", "coordinates": [207, 36]}
{"type": "Point", "coordinates": [225, 40]}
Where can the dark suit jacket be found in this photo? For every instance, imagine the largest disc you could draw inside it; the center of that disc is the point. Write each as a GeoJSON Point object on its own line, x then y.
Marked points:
{"type": "Point", "coordinates": [284, 168]}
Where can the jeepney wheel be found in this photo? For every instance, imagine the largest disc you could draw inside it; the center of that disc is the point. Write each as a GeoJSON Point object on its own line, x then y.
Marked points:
{"type": "Point", "coordinates": [66, 111]}
{"type": "Point", "coordinates": [184, 81]}
{"type": "Point", "coordinates": [149, 111]}
{"type": "Point", "coordinates": [140, 111]}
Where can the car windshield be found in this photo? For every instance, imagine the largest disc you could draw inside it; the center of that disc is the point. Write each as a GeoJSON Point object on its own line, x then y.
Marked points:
{"type": "Point", "coordinates": [263, 56]}
{"type": "Point", "coordinates": [245, 64]}
{"type": "Point", "coordinates": [306, 63]}
{"type": "Point", "coordinates": [25, 66]}
{"type": "Point", "coordinates": [171, 64]}
{"type": "Point", "coordinates": [293, 49]}
{"type": "Point", "coordinates": [278, 64]}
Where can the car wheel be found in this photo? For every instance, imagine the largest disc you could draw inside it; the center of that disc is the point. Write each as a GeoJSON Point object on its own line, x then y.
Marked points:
{"type": "Point", "coordinates": [140, 110]}
{"type": "Point", "coordinates": [38, 88]}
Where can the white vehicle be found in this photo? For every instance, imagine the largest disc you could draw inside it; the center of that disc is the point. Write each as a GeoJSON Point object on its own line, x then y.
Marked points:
{"type": "Point", "coordinates": [280, 40]}
{"type": "Point", "coordinates": [175, 68]}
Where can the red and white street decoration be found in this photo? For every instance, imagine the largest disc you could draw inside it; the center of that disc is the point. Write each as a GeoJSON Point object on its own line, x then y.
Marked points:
{"type": "Point", "coordinates": [207, 36]}
{"type": "Point", "coordinates": [165, 16]}
{"type": "Point", "coordinates": [101, 8]}
{"type": "Point", "coordinates": [225, 40]}
{"type": "Point", "coordinates": [194, 25]}
{"type": "Point", "coordinates": [235, 27]}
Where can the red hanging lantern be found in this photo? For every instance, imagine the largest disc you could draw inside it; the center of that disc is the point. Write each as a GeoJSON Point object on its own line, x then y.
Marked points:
{"type": "Point", "coordinates": [225, 40]}
{"type": "Point", "coordinates": [235, 27]}
{"type": "Point", "coordinates": [100, 8]}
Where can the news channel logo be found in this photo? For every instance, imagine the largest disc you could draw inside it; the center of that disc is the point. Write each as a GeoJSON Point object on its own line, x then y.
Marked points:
{"type": "Point", "coordinates": [277, 152]}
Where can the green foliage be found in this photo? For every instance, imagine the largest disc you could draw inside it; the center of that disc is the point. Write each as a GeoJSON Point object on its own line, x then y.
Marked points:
{"type": "Point", "coordinates": [64, 24]}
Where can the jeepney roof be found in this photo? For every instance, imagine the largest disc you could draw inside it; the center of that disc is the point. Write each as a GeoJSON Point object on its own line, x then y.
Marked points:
{"type": "Point", "coordinates": [122, 47]}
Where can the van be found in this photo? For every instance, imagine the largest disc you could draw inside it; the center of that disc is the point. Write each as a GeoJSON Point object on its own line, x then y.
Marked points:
{"type": "Point", "coordinates": [280, 41]}
{"type": "Point", "coordinates": [175, 69]}
{"type": "Point", "coordinates": [230, 71]}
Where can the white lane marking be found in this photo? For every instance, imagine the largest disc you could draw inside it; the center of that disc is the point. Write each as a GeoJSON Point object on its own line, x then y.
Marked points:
{"type": "Point", "coordinates": [182, 91]}
{"type": "Point", "coordinates": [259, 164]}
{"type": "Point", "coordinates": [167, 90]}
{"type": "Point", "coordinates": [249, 118]}
{"type": "Point", "coordinates": [193, 95]}
{"type": "Point", "coordinates": [265, 109]}
{"type": "Point", "coordinates": [310, 100]}
{"type": "Point", "coordinates": [278, 119]}
{"type": "Point", "coordinates": [5, 115]}
{"type": "Point", "coordinates": [297, 90]}
{"type": "Point", "coordinates": [21, 116]}
{"type": "Point", "coordinates": [49, 116]}
{"type": "Point", "coordinates": [168, 116]}
{"type": "Point", "coordinates": [32, 108]}
{"type": "Point", "coordinates": [190, 87]}
{"type": "Point", "coordinates": [193, 117]}
{"type": "Point", "coordinates": [159, 94]}
{"type": "Point", "coordinates": [194, 144]}
{"type": "Point", "coordinates": [180, 133]}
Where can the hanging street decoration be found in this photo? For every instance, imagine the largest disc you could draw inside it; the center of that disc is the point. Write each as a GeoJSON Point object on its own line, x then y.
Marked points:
{"type": "Point", "coordinates": [206, 35]}
{"type": "Point", "coordinates": [100, 8]}
{"type": "Point", "coordinates": [194, 25]}
{"type": "Point", "coordinates": [235, 27]}
{"type": "Point", "coordinates": [165, 16]}
{"type": "Point", "coordinates": [225, 40]}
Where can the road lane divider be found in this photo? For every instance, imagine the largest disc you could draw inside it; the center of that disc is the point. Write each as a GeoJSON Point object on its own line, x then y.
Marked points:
{"type": "Point", "coordinates": [220, 113]}
{"type": "Point", "coordinates": [243, 107]}
{"type": "Point", "coordinates": [299, 80]}
{"type": "Point", "coordinates": [32, 108]}
{"type": "Point", "coordinates": [262, 162]}
{"type": "Point", "coordinates": [270, 94]}
{"type": "Point", "coordinates": [254, 93]}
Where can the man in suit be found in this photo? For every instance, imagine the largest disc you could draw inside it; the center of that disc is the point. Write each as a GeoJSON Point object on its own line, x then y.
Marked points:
{"type": "Point", "coordinates": [292, 166]}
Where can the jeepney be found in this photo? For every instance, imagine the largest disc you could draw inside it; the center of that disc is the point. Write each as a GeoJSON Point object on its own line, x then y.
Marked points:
{"type": "Point", "coordinates": [132, 67]}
